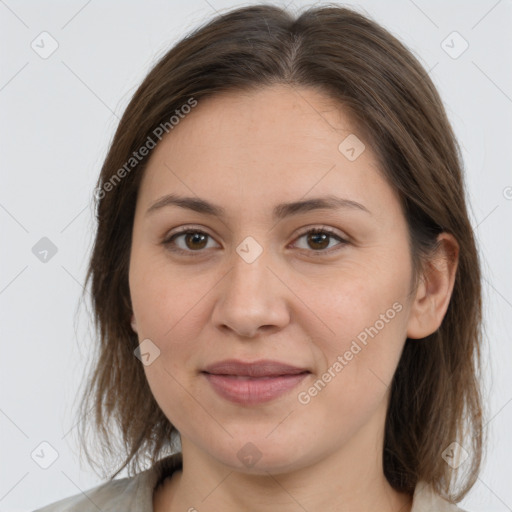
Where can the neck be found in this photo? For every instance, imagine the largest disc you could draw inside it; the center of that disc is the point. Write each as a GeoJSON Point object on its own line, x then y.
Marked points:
{"type": "Point", "coordinates": [351, 480]}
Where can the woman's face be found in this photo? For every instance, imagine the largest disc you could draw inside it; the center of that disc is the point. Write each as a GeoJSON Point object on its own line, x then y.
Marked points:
{"type": "Point", "coordinates": [331, 309]}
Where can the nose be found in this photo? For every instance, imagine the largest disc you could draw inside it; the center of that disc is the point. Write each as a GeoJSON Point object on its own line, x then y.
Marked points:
{"type": "Point", "coordinates": [252, 298]}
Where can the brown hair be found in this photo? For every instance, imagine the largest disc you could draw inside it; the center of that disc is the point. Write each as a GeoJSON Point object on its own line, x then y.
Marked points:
{"type": "Point", "coordinates": [435, 397]}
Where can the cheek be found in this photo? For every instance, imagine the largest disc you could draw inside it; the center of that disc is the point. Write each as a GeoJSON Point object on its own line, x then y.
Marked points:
{"type": "Point", "coordinates": [359, 302]}
{"type": "Point", "coordinates": [357, 371]}
{"type": "Point", "coordinates": [367, 319]}
{"type": "Point", "coordinates": [171, 313]}
{"type": "Point", "coordinates": [170, 316]}
{"type": "Point", "coordinates": [172, 393]}
{"type": "Point", "coordinates": [164, 298]}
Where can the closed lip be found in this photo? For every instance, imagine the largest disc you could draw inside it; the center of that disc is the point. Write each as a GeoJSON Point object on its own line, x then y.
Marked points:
{"type": "Point", "coordinates": [260, 368]}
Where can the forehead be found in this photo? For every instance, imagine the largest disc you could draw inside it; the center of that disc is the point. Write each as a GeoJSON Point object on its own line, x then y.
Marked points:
{"type": "Point", "coordinates": [265, 120]}
{"type": "Point", "coordinates": [278, 142]}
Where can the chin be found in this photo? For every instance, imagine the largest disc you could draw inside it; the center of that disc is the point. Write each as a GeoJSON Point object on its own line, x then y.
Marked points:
{"type": "Point", "coordinates": [261, 455]}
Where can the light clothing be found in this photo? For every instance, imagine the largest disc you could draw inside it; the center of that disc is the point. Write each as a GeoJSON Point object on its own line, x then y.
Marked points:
{"type": "Point", "coordinates": [135, 494]}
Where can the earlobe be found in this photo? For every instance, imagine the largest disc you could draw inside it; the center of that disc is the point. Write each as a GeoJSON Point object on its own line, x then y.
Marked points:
{"type": "Point", "coordinates": [133, 323]}
{"type": "Point", "coordinates": [435, 289]}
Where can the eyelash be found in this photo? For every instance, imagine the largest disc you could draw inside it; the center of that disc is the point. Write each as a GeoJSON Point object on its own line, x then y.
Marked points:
{"type": "Point", "coordinates": [169, 241]}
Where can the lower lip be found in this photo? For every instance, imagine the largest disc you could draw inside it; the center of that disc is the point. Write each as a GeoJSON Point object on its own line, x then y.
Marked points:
{"type": "Point", "coordinates": [251, 390]}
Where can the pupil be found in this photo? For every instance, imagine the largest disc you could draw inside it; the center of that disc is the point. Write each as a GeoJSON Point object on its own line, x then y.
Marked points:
{"type": "Point", "coordinates": [195, 236]}
{"type": "Point", "coordinates": [321, 235]}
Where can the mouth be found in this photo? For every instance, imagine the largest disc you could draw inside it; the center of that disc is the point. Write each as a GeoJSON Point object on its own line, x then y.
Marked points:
{"type": "Point", "coordinates": [250, 383]}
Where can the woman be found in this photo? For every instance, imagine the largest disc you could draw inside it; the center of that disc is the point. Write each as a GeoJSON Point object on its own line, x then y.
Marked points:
{"type": "Point", "coordinates": [285, 280]}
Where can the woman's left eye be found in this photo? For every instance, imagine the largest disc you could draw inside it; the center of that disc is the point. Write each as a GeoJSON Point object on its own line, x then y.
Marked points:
{"type": "Point", "coordinates": [319, 237]}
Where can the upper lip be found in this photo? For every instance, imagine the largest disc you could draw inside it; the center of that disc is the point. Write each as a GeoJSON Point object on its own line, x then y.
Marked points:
{"type": "Point", "coordinates": [261, 368]}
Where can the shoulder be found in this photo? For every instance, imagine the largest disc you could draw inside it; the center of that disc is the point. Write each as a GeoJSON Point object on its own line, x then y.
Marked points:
{"type": "Point", "coordinates": [130, 494]}
{"type": "Point", "coordinates": [425, 499]}
{"type": "Point", "coordinates": [104, 497]}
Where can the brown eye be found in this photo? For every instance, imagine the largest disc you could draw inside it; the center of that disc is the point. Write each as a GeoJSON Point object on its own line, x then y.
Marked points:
{"type": "Point", "coordinates": [318, 240]}
{"type": "Point", "coordinates": [193, 240]}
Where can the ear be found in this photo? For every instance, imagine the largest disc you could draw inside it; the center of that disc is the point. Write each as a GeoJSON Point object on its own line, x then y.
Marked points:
{"type": "Point", "coordinates": [134, 323]}
{"type": "Point", "coordinates": [435, 289]}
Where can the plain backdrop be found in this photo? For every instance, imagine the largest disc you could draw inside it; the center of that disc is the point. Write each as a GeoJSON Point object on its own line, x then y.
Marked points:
{"type": "Point", "coordinates": [58, 115]}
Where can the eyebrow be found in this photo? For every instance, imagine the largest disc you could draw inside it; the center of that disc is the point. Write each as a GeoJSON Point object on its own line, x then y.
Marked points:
{"type": "Point", "coordinates": [280, 211]}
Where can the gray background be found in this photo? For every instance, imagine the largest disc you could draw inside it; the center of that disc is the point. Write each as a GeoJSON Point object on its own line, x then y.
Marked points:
{"type": "Point", "coordinates": [58, 115]}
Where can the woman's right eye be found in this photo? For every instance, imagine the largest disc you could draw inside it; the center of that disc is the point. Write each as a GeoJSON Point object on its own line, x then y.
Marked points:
{"type": "Point", "coordinates": [190, 237]}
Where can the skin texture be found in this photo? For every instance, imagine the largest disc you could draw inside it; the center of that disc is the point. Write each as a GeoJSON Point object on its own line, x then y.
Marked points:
{"type": "Point", "coordinates": [300, 302]}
